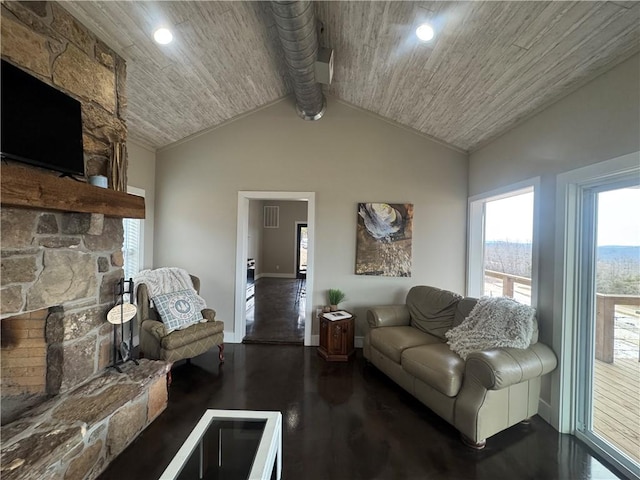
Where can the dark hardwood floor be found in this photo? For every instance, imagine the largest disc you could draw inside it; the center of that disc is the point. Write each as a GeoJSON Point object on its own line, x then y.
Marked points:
{"type": "Point", "coordinates": [345, 421]}
{"type": "Point", "coordinates": [275, 313]}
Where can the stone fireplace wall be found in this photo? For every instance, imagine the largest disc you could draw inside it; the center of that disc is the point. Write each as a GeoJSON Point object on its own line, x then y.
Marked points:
{"type": "Point", "coordinates": [46, 41]}
{"type": "Point", "coordinates": [52, 259]}
{"type": "Point", "coordinates": [69, 261]}
{"type": "Point", "coordinates": [58, 274]}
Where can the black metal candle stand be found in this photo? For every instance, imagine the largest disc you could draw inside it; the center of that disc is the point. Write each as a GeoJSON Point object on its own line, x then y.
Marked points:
{"type": "Point", "coordinates": [120, 289]}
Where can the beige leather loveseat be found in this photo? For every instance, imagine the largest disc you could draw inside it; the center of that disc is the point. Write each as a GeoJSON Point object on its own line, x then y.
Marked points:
{"type": "Point", "coordinates": [489, 392]}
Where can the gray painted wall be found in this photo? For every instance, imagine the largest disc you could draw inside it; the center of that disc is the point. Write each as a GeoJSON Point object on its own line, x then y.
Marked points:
{"type": "Point", "coordinates": [142, 174]}
{"type": "Point", "coordinates": [347, 157]}
{"type": "Point", "coordinates": [598, 122]}
{"type": "Point", "coordinates": [279, 244]}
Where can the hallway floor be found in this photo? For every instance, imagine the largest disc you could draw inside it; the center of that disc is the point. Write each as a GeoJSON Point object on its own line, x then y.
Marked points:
{"type": "Point", "coordinates": [275, 313]}
{"type": "Point", "coordinates": [345, 421]}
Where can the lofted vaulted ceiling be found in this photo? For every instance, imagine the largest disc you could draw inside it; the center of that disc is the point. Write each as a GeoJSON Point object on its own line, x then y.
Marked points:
{"type": "Point", "coordinates": [490, 65]}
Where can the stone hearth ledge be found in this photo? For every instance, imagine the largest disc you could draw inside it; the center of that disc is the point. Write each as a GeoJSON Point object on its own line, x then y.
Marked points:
{"type": "Point", "coordinates": [75, 435]}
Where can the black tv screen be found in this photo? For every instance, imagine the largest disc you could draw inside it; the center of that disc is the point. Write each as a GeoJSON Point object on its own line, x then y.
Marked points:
{"type": "Point", "coordinates": [40, 125]}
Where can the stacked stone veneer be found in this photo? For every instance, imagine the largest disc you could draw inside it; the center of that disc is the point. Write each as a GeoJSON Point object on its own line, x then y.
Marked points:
{"type": "Point", "coordinates": [67, 265]}
{"type": "Point", "coordinates": [46, 41]}
{"type": "Point", "coordinates": [57, 260]}
{"type": "Point", "coordinates": [66, 260]}
{"type": "Point", "coordinates": [70, 260]}
{"type": "Point", "coordinates": [75, 435]}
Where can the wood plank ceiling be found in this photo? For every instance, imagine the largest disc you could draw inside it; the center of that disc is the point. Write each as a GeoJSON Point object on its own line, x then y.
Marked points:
{"type": "Point", "coordinates": [490, 65]}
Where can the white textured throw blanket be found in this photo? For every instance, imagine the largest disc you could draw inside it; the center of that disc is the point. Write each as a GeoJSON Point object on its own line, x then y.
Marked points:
{"type": "Point", "coordinates": [493, 322]}
{"type": "Point", "coordinates": [164, 280]}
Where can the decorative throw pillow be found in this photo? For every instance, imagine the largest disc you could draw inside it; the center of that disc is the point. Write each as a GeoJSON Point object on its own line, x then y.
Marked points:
{"type": "Point", "coordinates": [179, 309]}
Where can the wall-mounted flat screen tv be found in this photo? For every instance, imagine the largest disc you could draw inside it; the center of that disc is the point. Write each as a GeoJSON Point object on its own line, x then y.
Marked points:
{"type": "Point", "coordinates": [40, 125]}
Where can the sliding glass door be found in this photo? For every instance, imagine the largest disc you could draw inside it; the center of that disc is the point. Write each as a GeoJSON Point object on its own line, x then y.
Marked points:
{"type": "Point", "coordinates": [608, 369]}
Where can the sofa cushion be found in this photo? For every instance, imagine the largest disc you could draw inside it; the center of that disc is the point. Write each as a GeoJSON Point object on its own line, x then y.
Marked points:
{"type": "Point", "coordinates": [432, 309]}
{"type": "Point", "coordinates": [436, 365]}
{"type": "Point", "coordinates": [179, 338]}
{"type": "Point", "coordinates": [392, 341]}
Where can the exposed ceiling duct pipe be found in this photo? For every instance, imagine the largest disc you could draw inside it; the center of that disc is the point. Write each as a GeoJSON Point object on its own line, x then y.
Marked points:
{"type": "Point", "coordinates": [296, 24]}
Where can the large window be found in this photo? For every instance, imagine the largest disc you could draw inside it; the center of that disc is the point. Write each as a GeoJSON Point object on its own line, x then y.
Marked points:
{"type": "Point", "coordinates": [132, 247]}
{"type": "Point", "coordinates": [501, 241]}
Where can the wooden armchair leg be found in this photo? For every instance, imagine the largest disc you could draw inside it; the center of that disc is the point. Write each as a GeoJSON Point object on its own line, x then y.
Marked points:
{"type": "Point", "coordinates": [221, 354]}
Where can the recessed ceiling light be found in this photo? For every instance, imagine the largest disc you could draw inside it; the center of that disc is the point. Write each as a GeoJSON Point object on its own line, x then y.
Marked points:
{"type": "Point", "coordinates": [163, 36]}
{"type": "Point", "coordinates": [425, 32]}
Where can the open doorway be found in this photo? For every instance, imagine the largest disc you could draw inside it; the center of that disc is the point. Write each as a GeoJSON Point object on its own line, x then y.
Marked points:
{"type": "Point", "coordinates": [277, 245]}
{"type": "Point", "coordinates": [274, 261]}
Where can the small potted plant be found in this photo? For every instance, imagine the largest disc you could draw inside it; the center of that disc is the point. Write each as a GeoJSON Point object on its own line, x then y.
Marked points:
{"type": "Point", "coordinates": [335, 297]}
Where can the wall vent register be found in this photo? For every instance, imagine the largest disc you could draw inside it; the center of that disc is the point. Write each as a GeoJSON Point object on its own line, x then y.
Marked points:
{"type": "Point", "coordinates": [271, 216]}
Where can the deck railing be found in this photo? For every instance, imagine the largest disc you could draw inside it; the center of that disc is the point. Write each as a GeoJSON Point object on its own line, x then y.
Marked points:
{"type": "Point", "coordinates": [605, 311]}
{"type": "Point", "coordinates": [605, 322]}
{"type": "Point", "coordinates": [508, 281]}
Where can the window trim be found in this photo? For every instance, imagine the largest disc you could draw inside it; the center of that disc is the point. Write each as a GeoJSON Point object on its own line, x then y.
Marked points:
{"type": "Point", "coordinates": [141, 193]}
{"type": "Point", "coordinates": [475, 234]}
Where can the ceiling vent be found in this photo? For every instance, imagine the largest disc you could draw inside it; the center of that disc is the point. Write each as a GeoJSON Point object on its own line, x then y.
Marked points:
{"type": "Point", "coordinates": [296, 25]}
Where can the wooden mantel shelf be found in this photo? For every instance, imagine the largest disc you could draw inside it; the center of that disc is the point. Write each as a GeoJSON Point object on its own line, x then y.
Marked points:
{"type": "Point", "coordinates": [34, 188]}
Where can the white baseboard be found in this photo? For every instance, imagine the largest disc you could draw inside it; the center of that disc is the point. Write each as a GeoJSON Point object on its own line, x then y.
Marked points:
{"type": "Point", "coordinates": [277, 275]}
{"type": "Point", "coordinates": [544, 410]}
{"type": "Point", "coordinates": [230, 337]}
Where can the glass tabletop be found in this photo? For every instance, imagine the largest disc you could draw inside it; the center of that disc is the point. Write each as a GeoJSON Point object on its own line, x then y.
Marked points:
{"type": "Point", "coordinates": [230, 445]}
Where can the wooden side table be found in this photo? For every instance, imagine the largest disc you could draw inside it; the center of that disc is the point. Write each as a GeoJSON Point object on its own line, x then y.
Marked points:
{"type": "Point", "coordinates": [336, 339]}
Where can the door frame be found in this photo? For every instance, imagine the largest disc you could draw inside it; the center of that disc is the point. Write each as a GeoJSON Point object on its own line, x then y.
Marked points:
{"type": "Point", "coordinates": [585, 324]}
{"type": "Point", "coordinates": [242, 246]}
{"type": "Point", "coordinates": [299, 226]}
{"type": "Point", "coordinates": [567, 302]}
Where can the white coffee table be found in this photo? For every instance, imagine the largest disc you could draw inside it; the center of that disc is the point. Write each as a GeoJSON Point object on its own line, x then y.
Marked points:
{"type": "Point", "coordinates": [242, 444]}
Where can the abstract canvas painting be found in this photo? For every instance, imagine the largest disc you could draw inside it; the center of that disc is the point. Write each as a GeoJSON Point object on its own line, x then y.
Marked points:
{"type": "Point", "coordinates": [383, 245]}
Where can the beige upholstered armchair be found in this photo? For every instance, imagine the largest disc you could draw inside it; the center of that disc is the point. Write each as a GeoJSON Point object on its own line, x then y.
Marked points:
{"type": "Point", "coordinates": [157, 344]}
